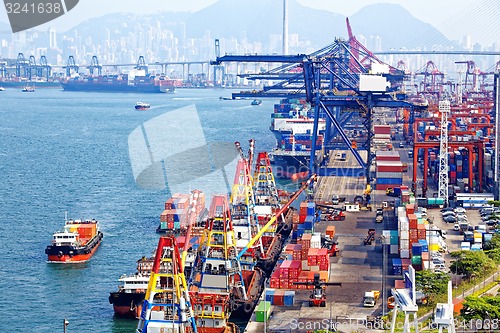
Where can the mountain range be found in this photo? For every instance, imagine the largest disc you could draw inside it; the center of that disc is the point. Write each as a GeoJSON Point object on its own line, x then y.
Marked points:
{"type": "Point", "coordinates": [255, 20]}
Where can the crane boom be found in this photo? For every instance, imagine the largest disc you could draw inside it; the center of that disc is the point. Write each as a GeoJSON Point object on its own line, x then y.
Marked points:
{"type": "Point", "coordinates": [278, 213]}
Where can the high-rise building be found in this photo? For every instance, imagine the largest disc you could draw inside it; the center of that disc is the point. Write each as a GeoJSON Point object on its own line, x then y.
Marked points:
{"type": "Point", "coordinates": [52, 38]}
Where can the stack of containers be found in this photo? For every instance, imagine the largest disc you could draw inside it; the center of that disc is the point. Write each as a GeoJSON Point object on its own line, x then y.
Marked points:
{"type": "Point", "coordinates": [382, 135]}
{"type": "Point", "coordinates": [295, 250]}
{"type": "Point", "coordinates": [404, 236]}
{"type": "Point", "coordinates": [306, 219]}
{"type": "Point", "coordinates": [177, 209]}
{"type": "Point", "coordinates": [388, 174]}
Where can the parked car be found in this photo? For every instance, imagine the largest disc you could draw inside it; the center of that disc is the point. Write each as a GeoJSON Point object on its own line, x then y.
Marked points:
{"type": "Point", "coordinates": [448, 213]}
{"type": "Point", "coordinates": [459, 210]}
{"type": "Point", "coordinates": [492, 222]}
{"type": "Point", "coordinates": [446, 209]}
{"type": "Point", "coordinates": [456, 227]}
{"type": "Point", "coordinates": [450, 219]}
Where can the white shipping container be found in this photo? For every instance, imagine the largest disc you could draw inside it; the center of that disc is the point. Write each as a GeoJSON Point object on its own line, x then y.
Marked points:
{"type": "Point", "coordinates": [394, 249]}
{"type": "Point", "coordinates": [404, 244]}
{"type": "Point", "coordinates": [404, 225]}
{"type": "Point", "coordinates": [404, 254]}
{"type": "Point", "coordinates": [401, 211]}
{"type": "Point", "coordinates": [404, 234]}
{"type": "Point", "coordinates": [315, 241]}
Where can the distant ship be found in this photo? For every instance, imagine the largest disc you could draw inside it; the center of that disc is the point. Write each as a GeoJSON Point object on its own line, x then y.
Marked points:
{"type": "Point", "coordinates": [122, 83]}
{"type": "Point", "coordinates": [21, 83]}
{"type": "Point", "coordinates": [77, 243]}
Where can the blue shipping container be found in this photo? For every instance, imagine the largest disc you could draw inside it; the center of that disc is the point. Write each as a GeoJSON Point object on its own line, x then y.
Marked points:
{"type": "Point", "coordinates": [390, 181]}
{"type": "Point", "coordinates": [416, 249]}
{"type": "Point", "coordinates": [289, 298]}
{"type": "Point", "coordinates": [270, 295]}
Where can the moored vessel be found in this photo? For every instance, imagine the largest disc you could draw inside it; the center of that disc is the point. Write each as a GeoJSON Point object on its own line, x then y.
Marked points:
{"type": "Point", "coordinates": [292, 125]}
{"type": "Point", "coordinates": [127, 301]}
{"type": "Point", "coordinates": [121, 83]}
{"type": "Point", "coordinates": [76, 243]}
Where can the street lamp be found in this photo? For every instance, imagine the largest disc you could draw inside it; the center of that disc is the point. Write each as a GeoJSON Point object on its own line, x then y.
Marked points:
{"type": "Point", "coordinates": [65, 323]}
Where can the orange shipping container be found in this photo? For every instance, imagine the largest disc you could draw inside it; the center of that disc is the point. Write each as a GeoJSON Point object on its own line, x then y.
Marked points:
{"type": "Point", "coordinates": [330, 231]}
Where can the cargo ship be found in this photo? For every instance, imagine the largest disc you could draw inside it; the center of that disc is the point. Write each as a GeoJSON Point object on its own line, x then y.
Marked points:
{"type": "Point", "coordinates": [77, 243]}
{"type": "Point", "coordinates": [127, 301]}
{"type": "Point", "coordinates": [22, 82]}
{"type": "Point", "coordinates": [292, 124]}
{"type": "Point", "coordinates": [124, 83]}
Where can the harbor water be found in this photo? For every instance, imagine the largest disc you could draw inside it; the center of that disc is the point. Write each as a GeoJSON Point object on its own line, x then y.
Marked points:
{"type": "Point", "coordinates": [68, 152]}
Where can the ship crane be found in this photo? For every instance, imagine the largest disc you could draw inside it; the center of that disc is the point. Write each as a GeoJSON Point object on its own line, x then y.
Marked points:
{"type": "Point", "coordinates": [71, 66]}
{"type": "Point", "coordinates": [94, 65]}
{"type": "Point", "coordinates": [23, 63]}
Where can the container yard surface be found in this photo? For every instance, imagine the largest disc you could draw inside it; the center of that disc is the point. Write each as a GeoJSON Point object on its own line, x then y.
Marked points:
{"type": "Point", "coordinates": [358, 268]}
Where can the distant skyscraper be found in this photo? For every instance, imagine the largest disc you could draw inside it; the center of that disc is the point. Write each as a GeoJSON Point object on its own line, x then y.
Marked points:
{"type": "Point", "coordinates": [467, 44]}
{"type": "Point", "coordinates": [52, 38]}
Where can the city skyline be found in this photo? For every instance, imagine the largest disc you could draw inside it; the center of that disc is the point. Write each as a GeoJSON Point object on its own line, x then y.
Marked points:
{"type": "Point", "coordinates": [445, 15]}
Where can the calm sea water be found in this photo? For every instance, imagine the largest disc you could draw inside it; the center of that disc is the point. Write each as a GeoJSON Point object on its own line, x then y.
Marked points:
{"type": "Point", "coordinates": [63, 151]}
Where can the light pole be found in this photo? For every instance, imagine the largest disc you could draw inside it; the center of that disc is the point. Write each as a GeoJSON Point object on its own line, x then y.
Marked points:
{"type": "Point", "coordinates": [65, 323]}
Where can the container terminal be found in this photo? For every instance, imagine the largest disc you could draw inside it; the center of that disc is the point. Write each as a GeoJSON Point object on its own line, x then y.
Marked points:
{"type": "Point", "coordinates": [347, 252]}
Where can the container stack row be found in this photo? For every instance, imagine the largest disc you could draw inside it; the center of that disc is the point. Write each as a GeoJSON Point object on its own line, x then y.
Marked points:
{"type": "Point", "coordinates": [315, 261]}
{"type": "Point", "coordinates": [389, 170]}
{"type": "Point", "coordinates": [412, 229]}
{"type": "Point", "coordinates": [303, 223]}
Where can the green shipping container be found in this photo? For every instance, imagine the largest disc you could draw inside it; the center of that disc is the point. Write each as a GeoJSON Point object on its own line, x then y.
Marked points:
{"type": "Point", "coordinates": [439, 201]}
{"type": "Point", "coordinates": [415, 260]}
{"type": "Point", "coordinates": [431, 201]}
{"type": "Point", "coordinates": [163, 225]}
{"type": "Point", "coordinates": [263, 311]}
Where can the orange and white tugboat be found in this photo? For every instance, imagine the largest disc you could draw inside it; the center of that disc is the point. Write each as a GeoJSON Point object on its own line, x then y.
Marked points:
{"type": "Point", "coordinates": [77, 243]}
{"type": "Point", "coordinates": [167, 307]}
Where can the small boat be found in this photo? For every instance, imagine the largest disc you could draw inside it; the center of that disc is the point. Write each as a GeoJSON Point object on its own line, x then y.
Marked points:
{"type": "Point", "coordinates": [28, 89]}
{"type": "Point", "coordinates": [256, 102]}
{"type": "Point", "coordinates": [2, 89]}
{"type": "Point", "coordinates": [77, 243]}
{"type": "Point", "coordinates": [142, 106]}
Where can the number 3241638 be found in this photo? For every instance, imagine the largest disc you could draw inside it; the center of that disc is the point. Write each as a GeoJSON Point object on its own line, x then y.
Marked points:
{"type": "Point", "coordinates": [33, 8]}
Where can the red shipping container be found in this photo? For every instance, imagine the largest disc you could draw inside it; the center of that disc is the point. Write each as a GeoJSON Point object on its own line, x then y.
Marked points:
{"type": "Point", "coordinates": [410, 209]}
{"type": "Point", "coordinates": [312, 259]}
{"type": "Point", "coordinates": [279, 297]}
{"type": "Point", "coordinates": [294, 269]}
{"type": "Point", "coordinates": [405, 262]}
{"type": "Point", "coordinates": [324, 266]}
{"type": "Point", "coordinates": [384, 187]}
{"type": "Point", "coordinates": [413, 224]}
{"type": "Point", "coordinates": [168, 203]}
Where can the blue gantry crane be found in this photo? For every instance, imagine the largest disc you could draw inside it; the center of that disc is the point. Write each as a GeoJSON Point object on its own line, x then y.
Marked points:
{"type": "Point", "coordinates": [339, 80]}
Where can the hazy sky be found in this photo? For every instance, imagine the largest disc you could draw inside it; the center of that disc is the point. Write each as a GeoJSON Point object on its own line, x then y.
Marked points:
{"type": "Point", "coordinates": [435, 12]}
